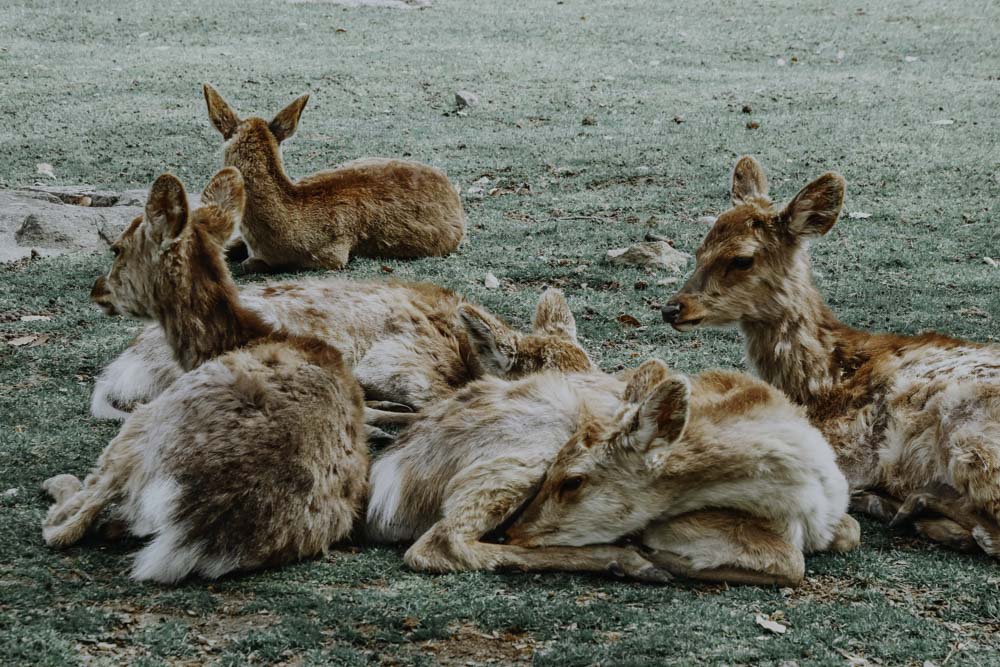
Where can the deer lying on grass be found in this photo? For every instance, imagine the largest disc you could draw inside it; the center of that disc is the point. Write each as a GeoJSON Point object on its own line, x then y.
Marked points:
{"type": "Point", "coordinates": [372, 207]}
{"type": "Point", "coordinates": [915, 420]}
{"type": "Point", "coordinates": [721, 476]}
{"type": "Point", "coordinates": [407, 343]}
{"type": "Point", "coordinates": [256, 455]}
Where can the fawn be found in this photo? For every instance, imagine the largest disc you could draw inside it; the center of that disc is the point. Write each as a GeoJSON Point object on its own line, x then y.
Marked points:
{"type": "Point", "coordinates": [915, 420]}
{"type": "Point", "coordinates": [372, 207]}
{"type": "Point", "coordinates": [736, 492]}
{"type": "Point", "coordinates": [407, 343]}
{"type": "Point", "coordinates": [256, 455]}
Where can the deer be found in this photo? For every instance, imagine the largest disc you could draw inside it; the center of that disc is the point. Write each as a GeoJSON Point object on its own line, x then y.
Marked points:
{"type": "Point", "coordinates": [720, 478]}
{"type": "Point", "coordinates": [914, 419]}
{"type": "Point", "coordinates": [371, 207]}
{"type": "Point", "coordinates": [256, 455]}
{"type": "Point", "coordinates": [408, 344]}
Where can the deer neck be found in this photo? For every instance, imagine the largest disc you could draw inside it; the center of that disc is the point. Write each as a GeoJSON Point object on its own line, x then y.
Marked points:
{"type": "Point", "coordinates": [794, 342]}
{"type": "Point", "coordinates": [199, 309]}
{"type": "Point", "coordinates": [267, 184]}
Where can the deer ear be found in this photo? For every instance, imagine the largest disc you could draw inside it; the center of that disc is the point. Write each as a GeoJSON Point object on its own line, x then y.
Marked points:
{"type": "Point", "coordinates": [749, 181]}
{"type": "Point", "coordinates": [220, 113]}
{"type": "Point", "coordinates": [284, 124]}
{"type": "Point", "coordinates": [643, 379]}
{"type": "Point", "coordinates": [495, 343]}
{"type": "Point", "coordinates": [167, 207]}
{"type": "Point", "coordinates": [553, 316]}
{"type": "Point", "coordinates": [226, 194]}
{"type": "Point", "coordinates": [814, 210]}
{"type": "Point", "coordinates": [663, 414]}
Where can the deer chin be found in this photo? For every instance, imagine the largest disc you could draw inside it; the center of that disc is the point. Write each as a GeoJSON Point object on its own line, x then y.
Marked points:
{"type": "Point", "coordinates": [687, 325]}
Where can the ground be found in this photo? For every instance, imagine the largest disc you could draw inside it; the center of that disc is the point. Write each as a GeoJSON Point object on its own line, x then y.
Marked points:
{"type": "Point", "coordinates": [899, 99]}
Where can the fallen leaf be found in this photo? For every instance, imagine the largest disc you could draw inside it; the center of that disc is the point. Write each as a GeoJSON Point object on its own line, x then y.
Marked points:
{"type": "Point", "coordinates": [589, 120]}
{"type": "Point", "coordinates": [858, 215]}
{"type": "Point", "coordinates": [386, 269]}
{"type": "Point", "coordinates": [992, 262]}
{"type": "Point", "coordinates": [23, 340]}
{"type": "Point", "coordinates": [45, 169]}
{"type": "Point", "coordinates": [628, 320]}
{"type": "Point", "coordinates": [491, 281]}
{"type": "Point", "coordinates": [753, 125]}
{"type": "Point", "coordinates": [769, 625]}
{"type": "Point", "coordinates": [411, 622]}
{"type": "Point", "coordinates": [35, 318]}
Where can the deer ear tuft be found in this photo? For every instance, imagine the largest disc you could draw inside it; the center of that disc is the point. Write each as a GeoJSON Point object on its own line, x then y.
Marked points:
{"type": "Point", "coordinates": [749, 181]}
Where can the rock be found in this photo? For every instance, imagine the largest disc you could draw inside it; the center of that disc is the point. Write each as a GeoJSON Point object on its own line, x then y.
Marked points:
{"type": "Point", "coordinates": [464, 99]}
{"type": "Point", "coordinates": [650, 255]}
{"type": "Point", "coordinates": [11, 493]}
{"type": "Point", "coordinates": [491, 281]}
{"type": "Point", "coordinates": [54, 220]}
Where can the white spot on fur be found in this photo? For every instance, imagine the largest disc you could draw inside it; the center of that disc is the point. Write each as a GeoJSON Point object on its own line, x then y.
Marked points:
{"type": "Point", "coordinates": [383, 505]}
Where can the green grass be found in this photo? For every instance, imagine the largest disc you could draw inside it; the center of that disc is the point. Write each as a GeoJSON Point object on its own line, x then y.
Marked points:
{"type": "Point", "coordinates": [109, 94]}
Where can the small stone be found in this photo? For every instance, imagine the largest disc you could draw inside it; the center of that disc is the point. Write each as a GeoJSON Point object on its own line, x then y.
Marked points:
{"type": "Point", "coordinates": [589, 120]}
{"type": "Point", "coordinates": [465, 99]}
{"type": "Point", "coordinates": [988, 260]}
{"type": "Point", "coordinates": [491, 281]}
{"type": "Point", "coordinates": [650, 255]}
{"type": "Point", "coordinates": [910, 59]}
{"type": "Point", "coordinates": [640, 285]}
{"type": "Point", "coordinates": [859, 215]}
{"type": "Point", "coordinates": [678, 119]}
{"type": "Point", "coordinates": [747, 108]}
{"type": "Point", "coordinates": [45, 169]}
{"type": "Point", "coordinates": [11, 493]}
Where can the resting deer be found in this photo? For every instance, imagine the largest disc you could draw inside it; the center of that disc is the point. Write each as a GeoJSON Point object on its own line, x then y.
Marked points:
{"type": "Point", "coordinates": [256, 455]}
{"type": "Point", "coordinates": [915, 420]}
{"type": "Point", "coordinates": [407, 343]}
{"type": "Point", "coordinates": [372, 207]}
{"type": "Point", "coordinates": [736, 491]}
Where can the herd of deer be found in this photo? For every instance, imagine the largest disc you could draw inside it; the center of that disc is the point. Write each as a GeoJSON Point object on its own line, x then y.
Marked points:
{"type": "Point", "coordinates": [248, 411]}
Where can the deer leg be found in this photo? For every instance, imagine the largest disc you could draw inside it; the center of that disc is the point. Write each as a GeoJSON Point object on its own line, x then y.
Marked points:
{"type": "Point", "coordinates": [444, 549]}
{"type": "Point", "coordinates": [386, 417]}
{"type": "Point", "coordinates": [237, 250]}
{"type": "Point", "coordinates": [949, 533]}
{"type": "Point", "coordinates": [389, 406]}
{"type": "Point", "coordinates": [960, 522]}
{"type": "Point", "coordinates": [846, 536]}
{"type": "Point", "coordinates": [67, 521]}
{"type": "Point", "coordinates": [724, 545]}
{"type": "Point", "coordinates": [255, 265]}
{"type": "Point", "coordinates": [333, 257]}
{"type": "Point", "coordinates": [874, 504]}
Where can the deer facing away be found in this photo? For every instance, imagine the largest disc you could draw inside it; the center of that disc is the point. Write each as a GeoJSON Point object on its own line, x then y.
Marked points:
{"type": "Point", "coordinates": [721, 476]}
{"type": "Point", "coordinates": [371, 207]}
{"type": "Point", "coordinates": [256, 455]}
{"type": "Point", "coordinates": [915, 420]}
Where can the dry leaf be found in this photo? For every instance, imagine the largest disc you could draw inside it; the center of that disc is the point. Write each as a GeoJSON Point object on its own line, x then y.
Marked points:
{"type": "Point", "coordinates": [35, 318]}
{"type": "Point", "coordinates": [769, 625]}
{"type": "Point", "coordinates": [386, 269]}
{"type": "Point", "coordinates": [753, 125]}
{"type": "Point", "coordinates": [491, 281]}
{"type": "Point", "coordinates": [628, 320]}
{"type": "Point", "coordinates": [45, 169]}
{"type": "Point", "coordinates": [23, 340]}
{"type": "Point", "coordinates": [858, 215]}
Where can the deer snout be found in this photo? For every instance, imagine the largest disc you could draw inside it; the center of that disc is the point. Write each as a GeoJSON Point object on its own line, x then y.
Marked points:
{"type": "Point", "coordinates": [101, 296]}
{"type": "Point", "coordinates": [672, 311]}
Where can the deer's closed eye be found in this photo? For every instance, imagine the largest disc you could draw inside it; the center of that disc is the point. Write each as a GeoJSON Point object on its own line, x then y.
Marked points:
{"type": "Point", "coordinates": [740, 264]}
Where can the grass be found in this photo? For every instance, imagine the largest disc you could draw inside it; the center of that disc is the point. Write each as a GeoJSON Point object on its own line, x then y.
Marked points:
{"type": "Point", "coordinates": [108, 93]}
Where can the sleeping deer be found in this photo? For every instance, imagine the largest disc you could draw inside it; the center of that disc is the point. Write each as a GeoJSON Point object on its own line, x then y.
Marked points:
{"type": "Point", "coordinates": [256, 455]}
{"type": "Point", "coordinates": [372, 207]}
{"type": "Point", "coordinates": [407, 343]}
{"type": "Point", "coordinates": [720, 476]}
{"type": "Point", "coordinates": [915, 420]}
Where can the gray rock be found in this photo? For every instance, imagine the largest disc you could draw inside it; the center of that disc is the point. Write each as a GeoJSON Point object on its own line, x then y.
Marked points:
{"type": "Point", "coordinates": [650, 255]}
{"type": "Point", "coordinates": [464, 98]}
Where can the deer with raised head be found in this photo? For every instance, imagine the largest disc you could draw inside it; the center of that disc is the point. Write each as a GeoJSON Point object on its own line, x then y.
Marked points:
{"type": "Point", "coordinates": [371, 207]}
{"type": "Point", "coordinates": [256, 455]}
{"type": "Point", "coordinates": [915, 420]}
{"type": "Point", "coordinates": [720, 476]}
{"type": "Point", "coordinates": [407, 343]}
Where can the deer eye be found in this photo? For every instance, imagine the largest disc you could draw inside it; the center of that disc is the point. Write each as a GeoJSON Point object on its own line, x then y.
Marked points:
{"type": "Point", "coordinates": [571, 484]}
{"type": "Point", "coordinates": [740, 263]}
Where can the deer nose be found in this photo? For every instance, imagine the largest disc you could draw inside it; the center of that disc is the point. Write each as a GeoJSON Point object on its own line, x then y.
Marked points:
{"type": "Point", "coordinates": [671, 312]}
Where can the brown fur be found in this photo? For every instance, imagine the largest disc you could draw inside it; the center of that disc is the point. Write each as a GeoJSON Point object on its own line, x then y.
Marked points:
{"type": "Point", "coordinates": [256, 455]}
{"type": "Point", "coordinates": [902, 412]}
{"type": "Point", "coordinates": [372, 207]}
